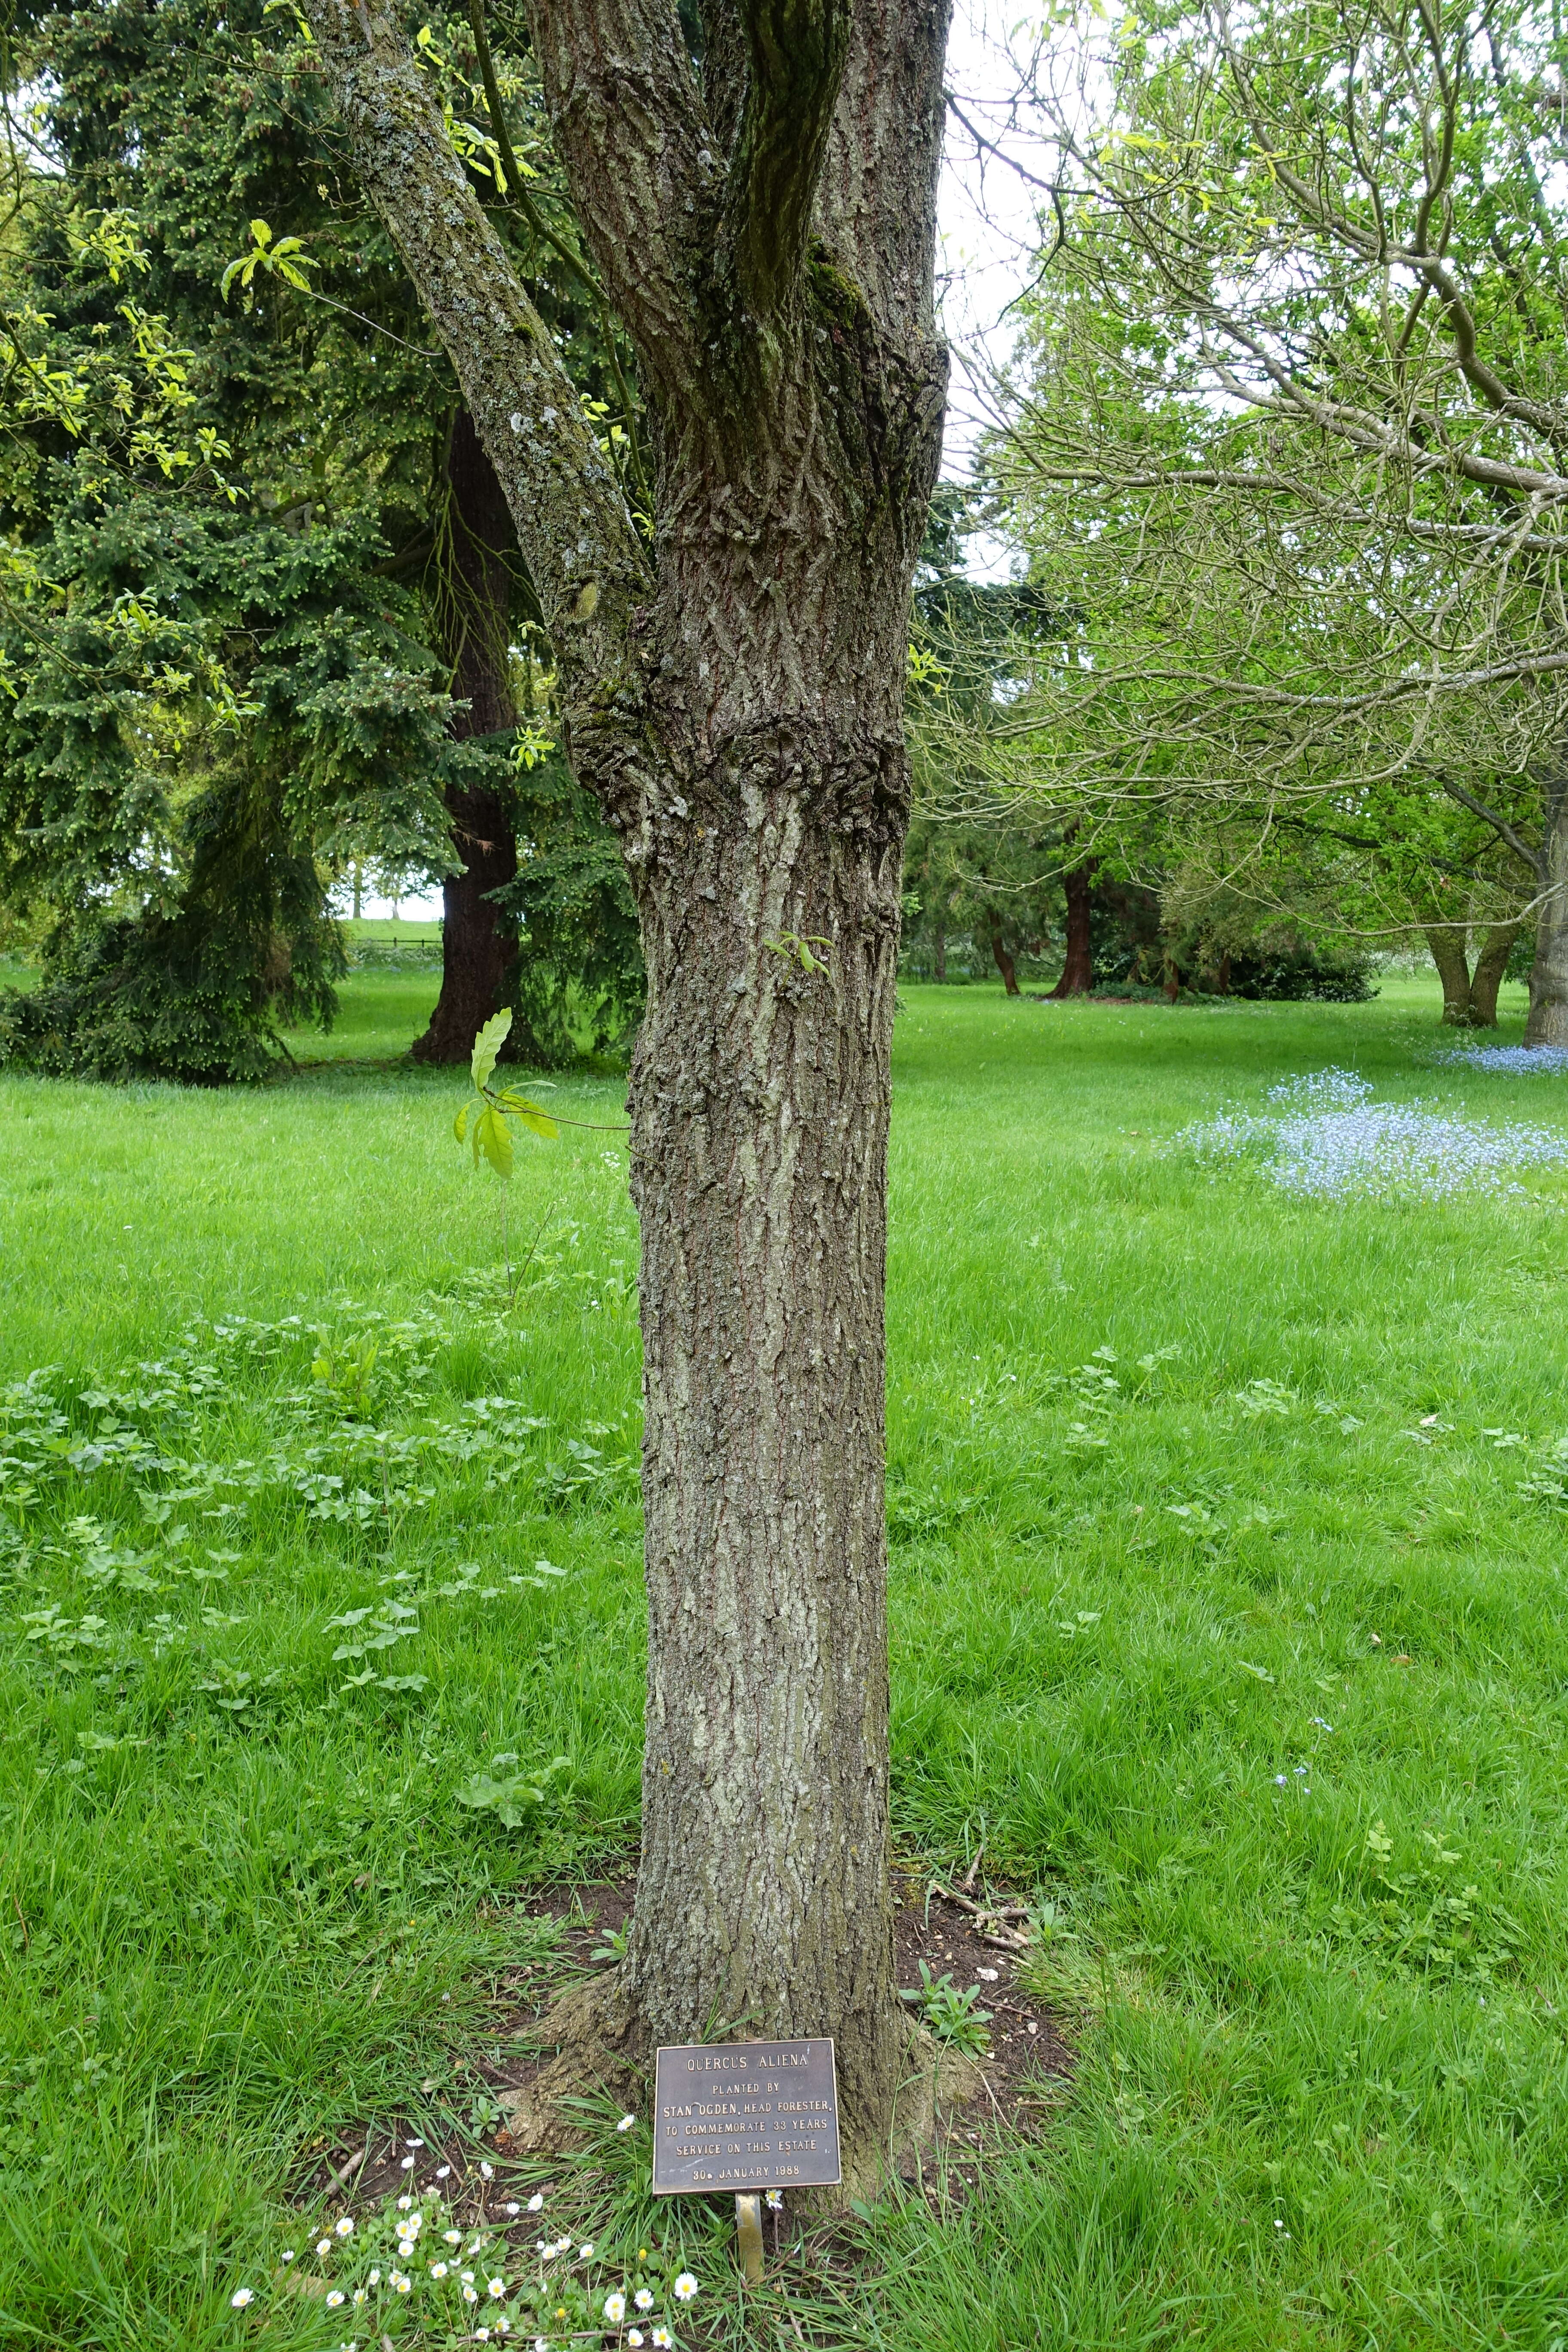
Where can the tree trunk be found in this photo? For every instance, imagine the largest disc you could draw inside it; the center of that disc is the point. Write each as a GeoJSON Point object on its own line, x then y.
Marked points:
{"type": "Point", "coordinates": [733, 696]}
{"type": "Point", "coordinates": [1548, 1021]}
{"type": "Point", "coordinates": [1004, 959]}
{"type": "Point", "coordinates": [941, 952]}
{"type": "Point", "coordinates": [1447, 943]}
{"type": "Point", "coordinates": [1487, 977]}
{"type": "Point", "coordinates": [1078, 972]}
{"type": "Point", "coordinates": [759, 1120]}
{"type": "Point", "coordinates": [472, 599]}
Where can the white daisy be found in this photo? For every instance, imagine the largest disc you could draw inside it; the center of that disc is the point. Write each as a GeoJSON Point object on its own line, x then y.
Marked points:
{"type": "Point", "coordinates": [323, 2246]}
{"type": "Point", "coordinates": [615, 2309]}
{"type": "Point", "coordinates": [536, 2203]}
{"type": "Point", "coordinates": [626, 2122]}
{"type": "Point", "coordinates": [685, 2287]}
{"type": "Point", "coordinates": [335, 2298]}
{"type": "Point", "coordinates": [344, 2228]}
{"type": "Point", "coordinates": [633, 2336]}
{"type": "Point", "coordinates": [438, 2270]}
{"type": "Point", "coordinates": [643, 2299]}
{"type": "Point", "coordinates": [241, 2296]}
{"type": "Point", "coordinates": [402, 2282]}
{"type": "Point", "coordinates": [663, 2339]}
{"type": "Point", "coordinates": [498, 2287]}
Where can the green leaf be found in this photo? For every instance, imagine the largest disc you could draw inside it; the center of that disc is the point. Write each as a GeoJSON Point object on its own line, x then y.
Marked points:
{"type": "Point", "coordinates": [495, 1138]}
{"type": "Point", "coordinates": [529, 1113]}
{"type": "Point", "coordinates": [460, 1124]}
{"type": "Point", "coordinates": [488, 1045]}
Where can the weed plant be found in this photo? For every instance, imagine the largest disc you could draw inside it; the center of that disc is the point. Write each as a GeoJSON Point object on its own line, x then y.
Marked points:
{"type": "Point", "coordinates": [1227, 1612]}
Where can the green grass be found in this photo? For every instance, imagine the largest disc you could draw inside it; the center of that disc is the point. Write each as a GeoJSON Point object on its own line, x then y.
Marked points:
{"type": "Point", "coordinates": [1322, 2096]}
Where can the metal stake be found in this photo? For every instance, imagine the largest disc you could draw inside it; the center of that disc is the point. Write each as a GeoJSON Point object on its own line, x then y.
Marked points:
{"type": "Point", "coordinates": [749, 2237]}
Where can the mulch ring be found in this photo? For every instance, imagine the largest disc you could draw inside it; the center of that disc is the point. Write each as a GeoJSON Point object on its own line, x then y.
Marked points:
{"type": "Point", "coordinates": [972, 1940]}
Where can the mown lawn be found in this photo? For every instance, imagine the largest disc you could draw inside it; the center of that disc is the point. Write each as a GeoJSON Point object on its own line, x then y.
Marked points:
{"type": "Point", "coordinates": [1249, 1661]}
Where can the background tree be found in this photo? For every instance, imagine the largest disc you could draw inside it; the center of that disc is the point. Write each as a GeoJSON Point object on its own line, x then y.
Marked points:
{"type": "Point", "coordinates": [1294, 428]}
{"type": "Point", "coordinates": [331, 569]}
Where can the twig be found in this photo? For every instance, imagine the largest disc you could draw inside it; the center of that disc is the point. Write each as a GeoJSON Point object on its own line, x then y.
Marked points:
{"type": "Point", "coordinates": [980, 1910]}
{"type": "Point", "coordinates": [341, 2179]}
{"type": "Point", "coordinates": [967, 1882]}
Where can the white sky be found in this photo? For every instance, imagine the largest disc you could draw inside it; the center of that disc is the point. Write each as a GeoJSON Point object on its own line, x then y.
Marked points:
{"type": "Point", "coordinates": [987, 218]}
{"type": "Point", "coordinates": [988, 236]}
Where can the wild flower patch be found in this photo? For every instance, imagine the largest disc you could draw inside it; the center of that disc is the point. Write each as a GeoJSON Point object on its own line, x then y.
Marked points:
{"type": "Point", "coordinates": [411, 2266]}
{"type": "Point", "coordinates": [1326, 1140]}
{"type": "Point", "coordinates": [1507, 1061]}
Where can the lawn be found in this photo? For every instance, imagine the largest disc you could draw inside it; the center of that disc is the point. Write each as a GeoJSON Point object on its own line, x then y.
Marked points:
{"type": "Point", "coordinates": [1219, 1614]}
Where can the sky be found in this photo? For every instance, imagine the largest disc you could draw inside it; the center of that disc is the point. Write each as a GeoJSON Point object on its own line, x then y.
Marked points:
{"type": "Point", "coordinates": [987, 218]}
{"type": "Point", "coordinates": [986, 225]}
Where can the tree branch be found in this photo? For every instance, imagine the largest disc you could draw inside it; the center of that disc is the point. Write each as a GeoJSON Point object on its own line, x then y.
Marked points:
{"type": "Point", "coordinates": [632, 131]}
{"type": "Point", "coordinates": [796, 51]}
{"type": "Point", "coordinates": [876, 208]}
{"type": "Point", "coordinates": [576, 536]}
{"type": "Point", "coordinates": [1533, 859]}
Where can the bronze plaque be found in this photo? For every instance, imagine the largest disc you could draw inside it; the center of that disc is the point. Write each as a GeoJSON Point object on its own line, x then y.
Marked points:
{"type": "Point", "coordinates": [745, 2115]}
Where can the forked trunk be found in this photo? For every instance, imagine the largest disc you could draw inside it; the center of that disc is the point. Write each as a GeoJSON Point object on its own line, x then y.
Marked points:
{"type": "Point", "coordinates": [472, 600]}
{"type": "Point", "coordinates": [1449, 953]}
{"type": "Point", "coordinates": [733, 694]}
{"type": "Point", "coordinates": [760, 1106]}
{"type": "Point", "coordinates": [1487, 977]}
{"type": "Point", "coordinates": [1548, 1021]}
{"type": "Point", "coordinates": [1078, 972]}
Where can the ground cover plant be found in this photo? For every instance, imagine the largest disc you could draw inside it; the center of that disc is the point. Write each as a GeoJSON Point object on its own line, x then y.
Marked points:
{"type": "Point", "coordinates": [1228, 1614]}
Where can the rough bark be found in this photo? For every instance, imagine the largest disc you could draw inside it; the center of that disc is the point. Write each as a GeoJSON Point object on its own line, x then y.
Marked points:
{"type": "Point", "coordinates": [1002, 955]}
{"type": "Point", "coordinates": [1547, 1022]}
{"type": "Point", "coordinates": [1448, 942]}
{"type": "Point", "coordinates": [472, 599]}
{"type": "Point", "coordinates": [735, 701]}
{"type": "Point", "coordinates": [940, 952]}
{"type": "Point", "coordinates": [1078, 970]}
{"type": "Point", "coordinates": [1487, 977]}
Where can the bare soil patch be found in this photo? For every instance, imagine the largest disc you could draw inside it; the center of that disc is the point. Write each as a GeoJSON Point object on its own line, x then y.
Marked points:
{"type": "Point", "coordinates": [1016, 2083]}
